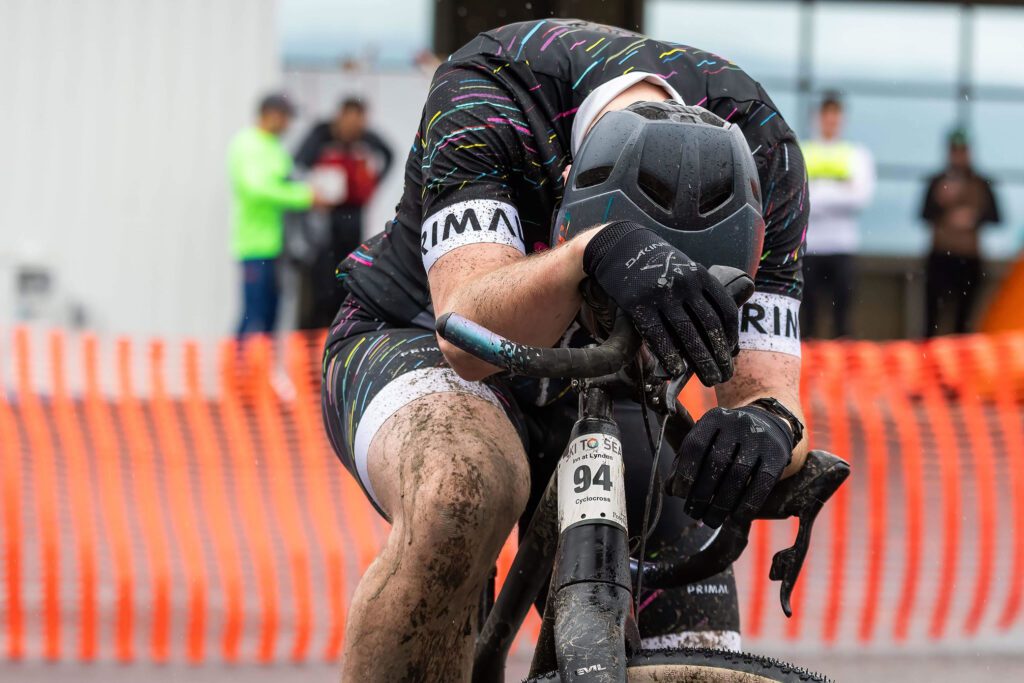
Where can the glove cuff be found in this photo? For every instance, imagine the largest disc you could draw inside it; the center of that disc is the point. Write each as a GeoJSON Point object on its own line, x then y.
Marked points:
{"type": "Point", "coordinates": [605, 240]}
{"type": "Point", "coordinates": [783, 427]}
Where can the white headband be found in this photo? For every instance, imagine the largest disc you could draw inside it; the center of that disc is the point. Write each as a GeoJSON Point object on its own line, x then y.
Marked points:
{"type": "Point", "coordinates": [600, 96]}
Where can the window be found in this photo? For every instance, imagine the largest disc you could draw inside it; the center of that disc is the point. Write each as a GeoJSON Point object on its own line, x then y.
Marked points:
{"type": "Point", "coordinates": [761, 37]}
{"type": "Point", "coordinates": [893, 43]}
{"type": "Point", "coordinates": [998, 139]}
{"type": "Point", "coordinates": [998, 46]}
{"type": "Point", "coordinates": [1003, 240]}
{"type": "Point", "coordinates": [900, 130]}
{"type": "Point", "coordinates": [891, 223]}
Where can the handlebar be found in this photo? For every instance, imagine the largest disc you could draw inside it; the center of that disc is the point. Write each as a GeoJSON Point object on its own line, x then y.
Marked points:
{"type": "Point", "coordinates": [532, 361]}
{"type": "Point", "coordinates": [801, 495]}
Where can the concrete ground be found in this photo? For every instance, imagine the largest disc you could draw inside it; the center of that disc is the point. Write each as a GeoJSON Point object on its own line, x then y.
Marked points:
{"type": "Point", "coordinates": [842, 667]}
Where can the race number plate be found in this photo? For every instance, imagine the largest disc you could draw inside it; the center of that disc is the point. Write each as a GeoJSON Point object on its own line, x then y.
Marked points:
{"type": "Point", "coordinates": [590, 482]}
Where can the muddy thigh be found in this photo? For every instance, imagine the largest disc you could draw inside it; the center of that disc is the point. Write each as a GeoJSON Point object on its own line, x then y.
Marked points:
{"type": "Point", "coordinates": [454, 452]}
{"type": "Point", "coordinates": [450, 471]}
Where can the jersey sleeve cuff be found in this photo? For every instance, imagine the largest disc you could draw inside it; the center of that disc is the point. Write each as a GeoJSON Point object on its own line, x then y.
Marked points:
{"type": "Point", "coordinates": [770, 322]}
{"type": "Point", "coordinates": [474, 221]}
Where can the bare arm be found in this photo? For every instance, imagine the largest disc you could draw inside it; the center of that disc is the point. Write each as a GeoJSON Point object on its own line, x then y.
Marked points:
{"type": "Point", "coordinates": [767, 373]}
{"type": "Point", "coordinates": [761, 368]}
{"type": "Point", "coordinates": [531, 299]}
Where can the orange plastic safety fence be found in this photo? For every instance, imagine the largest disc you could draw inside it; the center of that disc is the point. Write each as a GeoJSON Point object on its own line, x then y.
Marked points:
{"type": "Point", "coordinates": [214, 501]}
{"type": "Point", "coordinates": [1011, 349]}
{"type": "Point", "coordinates": [11, 474]}
{"type": "Point", "coordinates": [940, 421]}
{"type": "Point", "coordinates": [283, 496]}
{"type": "Point", "coordinates": [45, 492]}
{"type": "Point", "coordinates": [834, 380]}
{"type": "Point", "coordinates": [255, 520]}
{"type": "Point", "coordinates": [80, 497]}
{"type": "Point", "coordinates": [152, 512]}
{"type": "Point", "coordinates": [179, 501]}
{"type": "Point", "coordinates": [114, 503]}
{"type": "Point", "coordinates": [978, 435]}
{"type": "Point", "coordinates": [901, 366]}
{"type": "Point", "coordinates": [876, 465]}
{"type": "Point", "coordinates": [311, 447]}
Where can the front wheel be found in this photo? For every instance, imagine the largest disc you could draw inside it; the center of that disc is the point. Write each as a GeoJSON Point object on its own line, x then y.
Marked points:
{"type": "Point", "coordinates": [706, 666]}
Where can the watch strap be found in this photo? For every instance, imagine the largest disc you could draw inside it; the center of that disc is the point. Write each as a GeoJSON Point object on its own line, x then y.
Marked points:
{"type": "Point", "coordinates": [775, 407]}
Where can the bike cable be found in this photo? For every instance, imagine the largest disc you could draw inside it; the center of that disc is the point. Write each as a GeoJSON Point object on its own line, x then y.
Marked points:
{"type": "Point", "coordinates": [653, 522]}
{"type": "Point", "coordinates": [653, 484]}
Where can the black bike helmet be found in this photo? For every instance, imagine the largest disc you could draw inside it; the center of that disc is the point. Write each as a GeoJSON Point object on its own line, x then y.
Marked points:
{"type": "Point", "coordinates": [679, 170]}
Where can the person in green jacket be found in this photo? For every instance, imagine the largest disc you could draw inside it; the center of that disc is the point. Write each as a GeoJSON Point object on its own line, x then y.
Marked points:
{"type": "Point", "coordinates": [259, 168]}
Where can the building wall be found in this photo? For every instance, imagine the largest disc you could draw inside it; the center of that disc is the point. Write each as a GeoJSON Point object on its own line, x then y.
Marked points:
{"type": "Point", "coordinates": [115, 120]}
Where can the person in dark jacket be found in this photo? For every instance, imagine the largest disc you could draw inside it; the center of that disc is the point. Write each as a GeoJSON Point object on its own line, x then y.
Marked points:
{"type": "Point", "coordinates": [346, 162]}
{"type": "Point", "coordinates": [957, 203]}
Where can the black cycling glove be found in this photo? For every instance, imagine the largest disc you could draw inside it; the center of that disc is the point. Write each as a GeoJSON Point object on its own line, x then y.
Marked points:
{"type": "Point", "coordinates": [729, 463]}
{"type": "Point", "coordinates": [676, 305]}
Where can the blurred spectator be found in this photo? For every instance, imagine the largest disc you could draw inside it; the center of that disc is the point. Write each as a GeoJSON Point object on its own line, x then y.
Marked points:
{"type": "Point", "coordinates": [259, 168]}
{"type": "Point", "coordinates": [958, 202]}
{"type": "Point", "coordinates": [346, 163]}
{"type": "Point", "coordinates": [841, 181]}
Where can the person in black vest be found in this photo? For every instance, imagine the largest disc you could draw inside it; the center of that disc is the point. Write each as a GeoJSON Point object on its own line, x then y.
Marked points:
{"type": "Point", "coordinates": [346, 161]}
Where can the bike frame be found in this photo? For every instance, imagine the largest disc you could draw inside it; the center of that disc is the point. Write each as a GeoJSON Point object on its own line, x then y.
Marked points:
{"type": "Point", "coordinates": [580, 540]}
{"type": "Point", "coordinates": [578, 536]}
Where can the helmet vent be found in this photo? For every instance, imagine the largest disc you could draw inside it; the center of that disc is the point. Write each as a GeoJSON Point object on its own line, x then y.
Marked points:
{"type": "Point", "coordinates": [713, 197]}
{"type": "Point", "coordinates": [658, 192]}
{"type": "Point", "coordinates": [655, 111]}
{"type": "Point", "coordinates": [593, 176]}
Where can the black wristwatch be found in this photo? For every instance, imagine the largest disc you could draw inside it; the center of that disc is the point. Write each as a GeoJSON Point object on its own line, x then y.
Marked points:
{"type": "Point", "coordinates": [773, 406]}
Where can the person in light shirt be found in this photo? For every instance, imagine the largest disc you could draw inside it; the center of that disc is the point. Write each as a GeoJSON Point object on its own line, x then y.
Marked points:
{"type": "Point", "coordinates": [841, 178]}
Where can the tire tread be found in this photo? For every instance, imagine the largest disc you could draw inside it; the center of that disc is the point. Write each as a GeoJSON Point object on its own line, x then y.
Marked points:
{"type": "Point", "coordinates": [746, 662]}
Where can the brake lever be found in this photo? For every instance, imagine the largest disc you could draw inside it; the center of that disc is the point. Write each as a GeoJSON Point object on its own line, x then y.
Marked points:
{"type": "Point", "coordinates": [801, 496]}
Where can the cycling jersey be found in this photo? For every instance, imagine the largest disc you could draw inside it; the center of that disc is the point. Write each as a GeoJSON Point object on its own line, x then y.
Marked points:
{"type": "Point", "coordinates": [495, 136]}
{"type": "Point", "coordinates": [486, 166]}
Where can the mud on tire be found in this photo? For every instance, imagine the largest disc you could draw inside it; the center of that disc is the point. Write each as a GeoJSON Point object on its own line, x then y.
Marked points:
{"type": "Point", "coordinates": [706, 666]}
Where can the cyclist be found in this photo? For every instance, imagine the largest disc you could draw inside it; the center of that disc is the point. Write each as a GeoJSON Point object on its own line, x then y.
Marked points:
{"type": "Point", "coordinates": [448, 450]}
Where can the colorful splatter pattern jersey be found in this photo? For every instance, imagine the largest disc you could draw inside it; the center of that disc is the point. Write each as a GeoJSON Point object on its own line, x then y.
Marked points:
{"type": "Point", "coordinates": [486, 164]}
